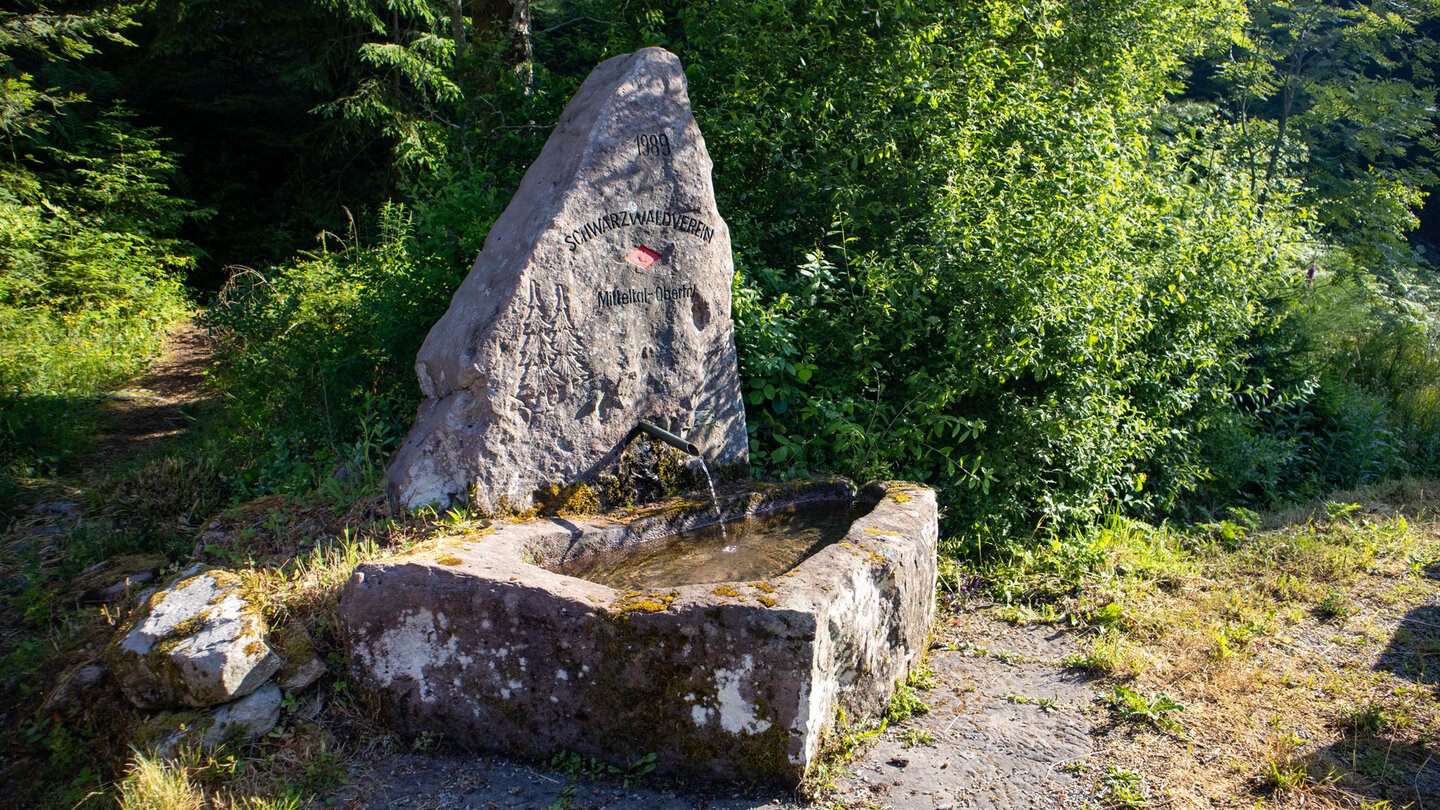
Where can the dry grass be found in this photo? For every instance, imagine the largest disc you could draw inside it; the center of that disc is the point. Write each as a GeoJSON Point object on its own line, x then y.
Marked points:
{"type": "Point", "coordinates": [1307, 656]}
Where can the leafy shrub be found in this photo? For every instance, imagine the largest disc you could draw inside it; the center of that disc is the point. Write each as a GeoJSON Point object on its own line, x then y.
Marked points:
{"type": "Point", "coordinates": [1015, 287]}
{"type": "Point", "coordinates": [88, 258]}
{"type": "Point", "coordinates": [318, 355]}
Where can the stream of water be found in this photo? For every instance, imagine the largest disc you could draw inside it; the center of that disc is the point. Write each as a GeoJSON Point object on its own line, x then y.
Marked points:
{"type": "Point", "coordinates": [721, 515]}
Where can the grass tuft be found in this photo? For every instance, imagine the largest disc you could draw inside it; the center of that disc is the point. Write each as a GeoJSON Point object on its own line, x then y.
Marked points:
{"type": "Point", "coordinates": [155, 783]}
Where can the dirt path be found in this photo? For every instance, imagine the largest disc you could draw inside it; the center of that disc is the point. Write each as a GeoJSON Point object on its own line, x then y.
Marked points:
{"type": "Point", "coordinates": [1005, 720]}
{"type": "Point", "coordinates": [158, 405]}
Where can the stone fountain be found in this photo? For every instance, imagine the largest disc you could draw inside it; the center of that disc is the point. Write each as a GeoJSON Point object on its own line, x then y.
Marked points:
{"type": "Point", "coordinates": [601, 301]}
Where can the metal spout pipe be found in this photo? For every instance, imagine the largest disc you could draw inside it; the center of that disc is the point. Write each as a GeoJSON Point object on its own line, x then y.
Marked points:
{"type": "Point", "coordinates": [660, 434]}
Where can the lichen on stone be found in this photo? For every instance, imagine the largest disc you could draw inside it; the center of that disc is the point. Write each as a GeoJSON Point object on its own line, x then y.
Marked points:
{"type": "Point", "coordinates": [643, 602]}
{"type": "Point", "coordinates": [571, 499]}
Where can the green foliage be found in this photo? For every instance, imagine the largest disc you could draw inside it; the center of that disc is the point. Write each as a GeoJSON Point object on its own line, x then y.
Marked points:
{"type": "Point", "coordinates": [1334, 605]}
{"type": "Point", "coordinates": [1124, 789]}
{"type": "Point", "coordinates": [317, 356]}
{"type": "Point", "coordinates": [87, 254]}
{"type": "Point", "coordinates": [1132, 705]}
{"type": "Point", "coordinates": [1013, 286]}
{"type": "Point", "coordinates": [1107, 652]}
{"type": "Point", "coordinates": [1339, 95]}
{"type": "Point", "coordinates": [905, 704]}
{"type": "Point", "coordinates": [1060, 261]}
{"type": "Point", "coordinates": [635, 772]}
{"type": "Point", "coordinates": [171, 494]}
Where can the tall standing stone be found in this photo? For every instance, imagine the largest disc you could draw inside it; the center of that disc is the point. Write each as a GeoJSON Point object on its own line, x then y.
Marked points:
{"type": "Point", "coordinates": [602, 297]}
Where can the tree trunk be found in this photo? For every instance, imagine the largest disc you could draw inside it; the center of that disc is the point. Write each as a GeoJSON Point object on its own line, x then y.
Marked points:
{"type": "Point", "coordinates": [519, 50]}
{"type": "Point", "coordinates": [457, 26]}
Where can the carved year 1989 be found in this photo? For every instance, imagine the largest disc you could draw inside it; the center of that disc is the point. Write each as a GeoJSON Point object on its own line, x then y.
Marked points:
{"type": "Point", "coordinates": [652, 143]}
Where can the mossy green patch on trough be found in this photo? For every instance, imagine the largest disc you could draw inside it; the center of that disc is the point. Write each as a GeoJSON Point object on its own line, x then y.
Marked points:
{"type": "Point", "coordinates": [571, 499]}
{"type": "Point", "coordinates": [764, 756]}
{"type": "Point", "coordinates": [643, 602]}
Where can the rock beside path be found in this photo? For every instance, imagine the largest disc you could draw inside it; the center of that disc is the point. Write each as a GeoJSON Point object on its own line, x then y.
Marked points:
{"type": "Point", "coordinates": [198, 642]}
{"type": "Point", "coordinates": [115, 578]}
{"type": "Point", "coordinates": [246, 719]}
{"type": "Point", "coordinates": [302, 667]}
{"type": "Point", "coordinates": [235, 723]}
{"type": "Point", "coordinates": [75, 689]}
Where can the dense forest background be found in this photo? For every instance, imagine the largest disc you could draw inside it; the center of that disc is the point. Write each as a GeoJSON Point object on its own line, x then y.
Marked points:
{"type": "Point", "coordinates": [1056, 259]}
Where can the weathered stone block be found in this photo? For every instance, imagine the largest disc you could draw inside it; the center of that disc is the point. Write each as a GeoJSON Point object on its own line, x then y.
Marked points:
{"type": "Point", "coordinates": [602, 297]}
{"type": "Point", "coordinates": [238, 722]}
{"type": "Point", "coordinates": [734, 681]}
{"type": "Point", "coordinates": [198, 642]}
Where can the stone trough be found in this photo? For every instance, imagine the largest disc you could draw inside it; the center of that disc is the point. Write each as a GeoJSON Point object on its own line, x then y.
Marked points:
{"type": "Point", "coordinates": [484, 644]}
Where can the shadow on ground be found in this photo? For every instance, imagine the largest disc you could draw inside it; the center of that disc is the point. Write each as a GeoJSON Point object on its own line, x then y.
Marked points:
{"type": "Point", "coordinates": [1414, 650]}
{"type": "Point", "coordinates": [1375, 769]}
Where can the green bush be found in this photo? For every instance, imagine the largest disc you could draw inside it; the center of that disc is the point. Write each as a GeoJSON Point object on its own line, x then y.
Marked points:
{"type": "Point", "coordinates": [318, 355]}
{"type": "Point", "coordinates": [973, 253]}
{"type": "Point", "coordinates": [88, 259]}
{"type": "Point", "coordinates": [978, 246]}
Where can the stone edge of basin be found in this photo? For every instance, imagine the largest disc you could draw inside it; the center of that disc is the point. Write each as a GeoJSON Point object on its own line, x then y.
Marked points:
{"type": "Point", "coordinates": [731, 681]}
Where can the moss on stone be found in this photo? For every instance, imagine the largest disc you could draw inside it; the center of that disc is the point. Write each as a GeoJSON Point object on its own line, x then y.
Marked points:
{"type": "Point", "coordinates": [571, 499]}
{"type": "Point", "coordinates": [505, 508]}
{"type": "Point", "coordinates": [177, 635]}
{"type": "Point", "coordinates": [647, 471]}
{"type": "Point", "coordinates": [165, 730]}
{"type": "Point", "coordinates": [764, 756]}
{"type": "Point", "coordinates": [449, 559]}
{"type": "Point", "coordinates": [726, 590]}
{"type": "Point", "coordinates": [643, 602]}
{"type": "Point", "coordinates": [296, 648]}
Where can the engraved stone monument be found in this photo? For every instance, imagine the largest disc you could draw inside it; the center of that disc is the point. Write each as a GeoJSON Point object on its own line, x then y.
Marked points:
{"type": "Point", "coordinates": [601, 298]}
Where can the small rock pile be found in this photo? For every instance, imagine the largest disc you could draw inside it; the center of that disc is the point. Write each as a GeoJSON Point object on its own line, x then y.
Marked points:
{"type": "Point", "coordinates": [195, 654]}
